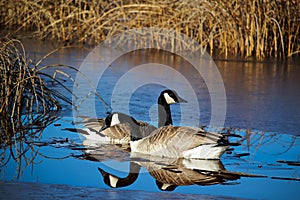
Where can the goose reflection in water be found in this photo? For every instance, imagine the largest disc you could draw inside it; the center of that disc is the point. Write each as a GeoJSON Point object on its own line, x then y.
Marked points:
{"type": "Point", "coordinates": [170, 174]}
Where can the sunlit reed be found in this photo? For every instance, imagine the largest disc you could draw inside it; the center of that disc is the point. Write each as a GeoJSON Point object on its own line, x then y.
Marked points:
{"type": "Point", "coordinates": [244, 28]}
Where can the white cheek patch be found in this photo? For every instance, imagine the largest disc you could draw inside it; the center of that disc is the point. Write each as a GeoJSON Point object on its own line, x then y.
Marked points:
{"type": "Point", "coordinates": [115, 120]}
{"type": "Point", "coordinates": [113, 181]}
{"type": "Point", "coordinates": [169, 99]}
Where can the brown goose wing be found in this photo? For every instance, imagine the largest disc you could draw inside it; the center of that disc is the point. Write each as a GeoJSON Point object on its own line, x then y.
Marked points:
{"type": "Point", "coordinates": [95, 125]}
{"type": "Point", "coordinates": [118, 132]}
{"type": "Point", "coordinates": [177, 139]}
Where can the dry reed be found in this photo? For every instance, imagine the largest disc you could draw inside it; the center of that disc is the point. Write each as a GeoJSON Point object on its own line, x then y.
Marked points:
{"type": "Point", "coordinates": [29, 101]}
{"type": "Point", "coordinates": [259, 28]}
{"type": "Point", "coordinates": [26, 102]}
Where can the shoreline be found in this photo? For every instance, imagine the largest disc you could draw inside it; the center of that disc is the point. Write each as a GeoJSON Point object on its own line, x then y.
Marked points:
{"type": "Point", "coordinates": [30, 190]}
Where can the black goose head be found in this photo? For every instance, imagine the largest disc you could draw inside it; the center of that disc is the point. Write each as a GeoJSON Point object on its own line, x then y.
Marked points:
{"type": "Point", "coordinates": [170, 97]}
{"type": "Point", "coordinates": [165, 99]}
{"type": "Point", "coordinates": [116, 118]}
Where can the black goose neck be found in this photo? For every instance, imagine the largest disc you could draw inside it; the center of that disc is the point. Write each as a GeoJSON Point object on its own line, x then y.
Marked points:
{"type": "Point", "coordinates": [131, 177]}
{"type": "Point", "coordinates": [122, 182]}
{"type": "Point", "coordinates": [164, 112]}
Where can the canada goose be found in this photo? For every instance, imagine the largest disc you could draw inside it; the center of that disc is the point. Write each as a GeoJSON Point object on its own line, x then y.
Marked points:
{"type": "Point", "coordinates": [120, 132]}
{"type": "Point", "coordinates": [172, 141]}
{"type": "Point", "coordinates": [95, 131]}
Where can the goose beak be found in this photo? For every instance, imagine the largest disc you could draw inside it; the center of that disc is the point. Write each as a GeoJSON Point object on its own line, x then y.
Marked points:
{"type": "Point", "coordinates": [181, 100]}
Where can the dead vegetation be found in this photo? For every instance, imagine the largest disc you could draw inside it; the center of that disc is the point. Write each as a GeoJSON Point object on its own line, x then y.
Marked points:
{"type": "Point", "coordinates": [26, 100]}
{"type": "Point", "coordinates": [31, 97]}
{"type": "Point", "coordinates": [245, 28]}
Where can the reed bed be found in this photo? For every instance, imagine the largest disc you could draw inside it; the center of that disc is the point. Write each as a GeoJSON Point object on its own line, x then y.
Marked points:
{"type": "Point", "coordinates": [31, 95]}
{"type": "Point", "coordinates": [26, 101]}
{"type": "Point", "coordinates": [251, 28]}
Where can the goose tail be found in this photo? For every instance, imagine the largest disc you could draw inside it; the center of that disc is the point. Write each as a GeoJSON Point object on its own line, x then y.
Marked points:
{"type": "Point", "coordinates": [87, 133]}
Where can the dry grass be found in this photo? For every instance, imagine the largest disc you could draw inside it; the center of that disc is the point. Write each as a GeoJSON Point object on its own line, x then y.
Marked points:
{"type": "Point", "coordinates": [247, 28]}
{"type": "Point", "coordinates": [30, 99]}
{"type": "Point", "coordinates": [26, 102]}
{"type": "Point", "coordinates": [30, 96]}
